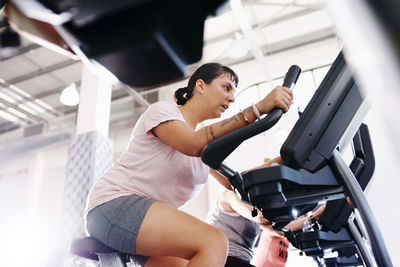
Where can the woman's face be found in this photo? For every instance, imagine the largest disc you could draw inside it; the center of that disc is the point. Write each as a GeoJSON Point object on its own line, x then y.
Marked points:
{"type": "Point", "coordinates": [220, 94]}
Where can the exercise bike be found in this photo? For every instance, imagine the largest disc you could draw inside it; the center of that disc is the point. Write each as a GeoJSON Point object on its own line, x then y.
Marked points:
{"type": "Point", "coordinates": [91, 248]}
{"type": "Point", "coordinates": [314, 171]}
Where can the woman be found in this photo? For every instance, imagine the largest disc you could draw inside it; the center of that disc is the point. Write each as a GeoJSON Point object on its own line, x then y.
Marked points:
{"type": "Point", "coordinates": [234, 217]}
{"type": "Point", "coordinates": [134, 207]}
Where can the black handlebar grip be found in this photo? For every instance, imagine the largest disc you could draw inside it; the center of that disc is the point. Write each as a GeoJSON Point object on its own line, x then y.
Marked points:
{"type": "Point", "coordinates": [291, 76]}
{"type": "Point", "coordinates": [289, 81]}
{"type": "Point", "coordinates": [219, 148]}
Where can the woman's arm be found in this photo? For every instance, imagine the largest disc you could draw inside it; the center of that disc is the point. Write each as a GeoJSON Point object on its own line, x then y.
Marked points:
{"type": "Point", "coordinates": [298, 224]}
{"type": "Point", "coordinates": [186, 140]}
{"type": "Point", "coordinates": [221, 179]}
{"type": "Point", "coordinates": [230, 202]}
{"type": "Point", "coordinates": [267, 163]}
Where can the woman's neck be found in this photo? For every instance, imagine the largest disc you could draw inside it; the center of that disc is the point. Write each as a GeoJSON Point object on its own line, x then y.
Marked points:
{"type": "Point", "coordinates": [191, 113]}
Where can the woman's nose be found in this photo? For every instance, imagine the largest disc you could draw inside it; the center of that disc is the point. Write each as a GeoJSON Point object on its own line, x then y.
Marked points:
{"type": "Point", "coordinates": [231, 97]}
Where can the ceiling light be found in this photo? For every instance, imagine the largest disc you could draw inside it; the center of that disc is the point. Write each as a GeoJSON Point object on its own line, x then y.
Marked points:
{"type": "Point", "coordinates": [7, 98]}
{"type": "Point", "coordinates": [17, 113]}
{"type": "Point", "coordinates": [27, 109]}
{"type": "Point", "coordinates": [35, 107]}
{"type": "Point", "coordinates": [70, 96]}
{"type": "Point", "coordinates": [7, 116]}
{"type": "Point", "coordinates": [44, 105]}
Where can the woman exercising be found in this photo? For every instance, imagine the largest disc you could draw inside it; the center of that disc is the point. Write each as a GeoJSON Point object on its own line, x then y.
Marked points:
{"type": "Point", "coordinates": [234, 217]}
{"type": "Point", "coordinates": [135, 206]}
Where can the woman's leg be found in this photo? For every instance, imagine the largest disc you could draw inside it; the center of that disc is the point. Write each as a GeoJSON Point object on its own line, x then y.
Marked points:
{"type": "Point", "coordinates": [166, 231]}
{"type": "Point", "coordinates": [166, 261]}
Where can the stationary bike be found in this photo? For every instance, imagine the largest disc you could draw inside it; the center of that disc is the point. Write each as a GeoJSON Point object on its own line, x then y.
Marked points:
{"type": "Point", "coordinates": [91, 248]}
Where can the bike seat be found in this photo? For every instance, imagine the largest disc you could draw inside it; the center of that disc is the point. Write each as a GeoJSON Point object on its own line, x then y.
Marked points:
{"type": "Point", "coordinates": [89, 247]}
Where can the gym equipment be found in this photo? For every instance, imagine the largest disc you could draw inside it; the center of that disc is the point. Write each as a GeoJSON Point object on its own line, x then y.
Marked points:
{"type": "Point", "coordinates": [218, 149]}
{"type": "Point", "coordinates": [91, 248]}
{"type": "Point", "coordinates": [314, 171]}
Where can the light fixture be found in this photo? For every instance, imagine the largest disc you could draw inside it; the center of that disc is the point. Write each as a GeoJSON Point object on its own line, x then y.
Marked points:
{"type": "Point", "coordinates": [70, 96]}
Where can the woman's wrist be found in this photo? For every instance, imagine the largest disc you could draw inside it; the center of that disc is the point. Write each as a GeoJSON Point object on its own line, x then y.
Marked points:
{"type": "Point", "coordinates": [256, 112]}
{"type": "Point", "coordinates": [259, 108]}
{"type": "Point", "coordinates": [312, 219]}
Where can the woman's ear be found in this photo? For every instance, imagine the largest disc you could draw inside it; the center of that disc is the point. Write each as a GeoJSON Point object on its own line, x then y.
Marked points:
{"type": "Point", "coordinates": [200, 86]}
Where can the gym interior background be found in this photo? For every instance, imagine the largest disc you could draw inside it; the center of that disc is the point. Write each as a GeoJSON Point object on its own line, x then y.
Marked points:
{"type": "Point", "coordinates": [260, 40]}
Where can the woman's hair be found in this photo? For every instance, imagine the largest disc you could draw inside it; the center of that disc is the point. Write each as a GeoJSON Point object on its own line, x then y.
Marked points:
{"type": "Point", "coordinates": [207, 72]}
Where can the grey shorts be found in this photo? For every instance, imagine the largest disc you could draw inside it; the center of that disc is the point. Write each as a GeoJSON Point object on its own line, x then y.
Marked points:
{"type": "Point", "coordinates": [116, 223]}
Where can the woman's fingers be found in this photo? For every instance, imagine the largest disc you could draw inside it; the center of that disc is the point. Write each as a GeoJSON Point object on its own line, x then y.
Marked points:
{"type": "Point", "coordinates": [280, 97]}
{"type": "Point", "coordinates": [283, 97]}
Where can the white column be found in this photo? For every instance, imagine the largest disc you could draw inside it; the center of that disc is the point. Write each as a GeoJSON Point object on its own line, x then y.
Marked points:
{"type": "Point", "coordinates": [94, 106]}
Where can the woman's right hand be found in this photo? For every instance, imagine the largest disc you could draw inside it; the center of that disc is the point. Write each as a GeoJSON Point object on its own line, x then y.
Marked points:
{"type": "Point", "coordinates": [280, 97]}
{"type": "Point", "coordinates": [269, 229]}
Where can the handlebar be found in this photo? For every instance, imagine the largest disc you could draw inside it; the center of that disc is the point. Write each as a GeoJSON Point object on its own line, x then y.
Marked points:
{"type": "Point", "coordinates": [221, 147]}
{"type": "Point", "coordinates": [218, 149]}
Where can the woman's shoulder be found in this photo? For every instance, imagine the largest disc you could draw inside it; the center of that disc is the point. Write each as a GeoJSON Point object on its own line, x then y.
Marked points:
{"type": "Point", "coordinates": [162, 110]}
{"type": "Point", "coordinates": [162, 105]}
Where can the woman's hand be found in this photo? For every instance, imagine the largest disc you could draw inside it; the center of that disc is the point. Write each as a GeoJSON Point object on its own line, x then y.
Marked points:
{"type": "Point", "coordinates": [277, 160]}
{"type": "Point", "coordinates": [260, 219]}
{"type": "Point", "coordinates": [272, 231]}
{"type": "Point", "coordinates": [280, 97]}
{"type": "Point", "coordinates": [317, 214]}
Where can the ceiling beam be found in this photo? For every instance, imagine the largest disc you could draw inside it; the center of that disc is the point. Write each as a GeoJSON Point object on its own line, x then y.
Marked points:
{"type": "Point", "coordinates": [28, 114]}
{"type": "Point", "coordinates": [40, 72]}
{"type": "Point", "coordinates": [285, 45]}
{"type": "Point", "coordinates": [21, 51]}
{"type": "Point", "coordinates": [263, 24]}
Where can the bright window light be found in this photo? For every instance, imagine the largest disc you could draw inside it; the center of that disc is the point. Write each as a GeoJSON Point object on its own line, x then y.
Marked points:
{"type": "Point", "coordinates": [70, 96]}
{"type": "Point", "coordinates": [7, 116]}
{"type": "Point", "coordinates": [32, 242]}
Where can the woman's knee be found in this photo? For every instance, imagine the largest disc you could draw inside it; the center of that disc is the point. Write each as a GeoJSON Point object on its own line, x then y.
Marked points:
{"type": "Point", "coordinates": [217, 240]}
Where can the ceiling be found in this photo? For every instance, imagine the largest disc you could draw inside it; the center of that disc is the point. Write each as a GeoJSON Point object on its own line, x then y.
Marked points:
{"type": "Point", "coordinates": [32, 77]}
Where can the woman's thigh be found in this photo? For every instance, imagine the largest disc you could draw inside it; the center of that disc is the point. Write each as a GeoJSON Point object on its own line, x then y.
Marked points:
{"type": "Point", "coordinates": [166, 231]}
{"type": "Point", "coordinates": [116, 223]}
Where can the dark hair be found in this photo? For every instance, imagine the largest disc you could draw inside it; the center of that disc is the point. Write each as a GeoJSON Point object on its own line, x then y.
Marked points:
{"type": "Point", "coordinates": [207, 72]}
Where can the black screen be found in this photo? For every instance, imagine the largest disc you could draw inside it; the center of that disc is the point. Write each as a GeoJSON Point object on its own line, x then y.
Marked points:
{"type": "Point", "coordinates": [327, 116]}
